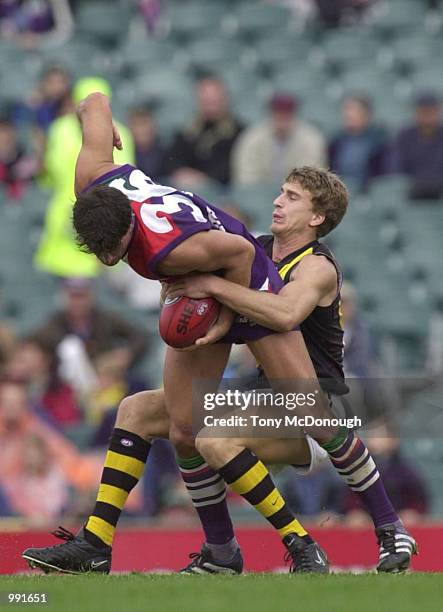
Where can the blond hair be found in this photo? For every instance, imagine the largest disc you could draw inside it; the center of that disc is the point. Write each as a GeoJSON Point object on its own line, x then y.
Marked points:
{"type": "Point", "coordinates": [329, 194]}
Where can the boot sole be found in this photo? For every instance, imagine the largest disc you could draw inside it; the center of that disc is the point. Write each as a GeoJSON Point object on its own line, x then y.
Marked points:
{"type": "Point", "coordinates": [48, 568]}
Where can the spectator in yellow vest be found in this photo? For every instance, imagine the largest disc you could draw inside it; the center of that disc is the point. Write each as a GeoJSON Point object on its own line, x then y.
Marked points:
{"type": "Point", "coordinates": [57, 252]}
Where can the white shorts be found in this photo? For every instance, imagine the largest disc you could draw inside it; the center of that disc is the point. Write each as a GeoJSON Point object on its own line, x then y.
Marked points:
{"type": "Point", "coordinates": [318, 455]}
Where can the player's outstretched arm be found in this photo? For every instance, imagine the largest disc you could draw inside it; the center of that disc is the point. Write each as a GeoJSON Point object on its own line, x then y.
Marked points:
{"type": "Point", "coordinates": [99, 137]}
{"type": "Point", "coordinates": [313, 280]}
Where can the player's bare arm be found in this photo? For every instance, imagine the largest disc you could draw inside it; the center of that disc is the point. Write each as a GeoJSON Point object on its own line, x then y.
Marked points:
{"type": "Point", "coordinates": [209, 252]}
{"type": "Point", "coordinates": [313, 283]}
{"type": "Point", "coordinates": [99, 137]}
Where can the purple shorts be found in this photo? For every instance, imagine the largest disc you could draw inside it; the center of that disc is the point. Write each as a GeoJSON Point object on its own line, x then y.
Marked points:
{"type": "Point", "coordinates": [243, 330]}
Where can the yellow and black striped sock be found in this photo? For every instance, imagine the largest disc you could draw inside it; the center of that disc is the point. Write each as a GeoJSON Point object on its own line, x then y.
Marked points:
{"type": "Point", "coordinates": [124, 465]}
{"type": "Point", "coordinates": [247, 475]}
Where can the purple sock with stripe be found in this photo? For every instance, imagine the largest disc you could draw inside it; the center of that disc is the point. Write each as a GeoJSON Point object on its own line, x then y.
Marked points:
{"type": "Point", "coordinates": [208, 493]}
{"type": "Point", "coordinates": [354, 464]}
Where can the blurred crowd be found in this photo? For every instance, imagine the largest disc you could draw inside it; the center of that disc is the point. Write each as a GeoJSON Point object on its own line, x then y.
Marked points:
{"type": "Point", "coordinates": [215, 147]}
{"type": "Point", "coordinates": [60, 388]}
{"type": "Point", "coordinates": [31, 22]}
{"type": "Point", "coordinates": [61, 383]}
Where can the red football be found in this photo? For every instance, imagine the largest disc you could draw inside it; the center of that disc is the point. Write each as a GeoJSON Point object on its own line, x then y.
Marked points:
{"type": "Point", "coordinates": [184, 320]}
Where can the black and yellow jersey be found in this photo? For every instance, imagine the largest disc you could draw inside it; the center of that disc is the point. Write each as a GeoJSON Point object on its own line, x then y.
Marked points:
{"type": "Point", "coordinates": [322, 329]}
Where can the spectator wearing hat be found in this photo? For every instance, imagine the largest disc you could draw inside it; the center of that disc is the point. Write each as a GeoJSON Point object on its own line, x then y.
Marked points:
{"type": "Point", "coordinates": [268, 150]}
{"type": "Point", "coordinates": [418, 150]}
{"type": "Point", "coordinates": [358, 152]}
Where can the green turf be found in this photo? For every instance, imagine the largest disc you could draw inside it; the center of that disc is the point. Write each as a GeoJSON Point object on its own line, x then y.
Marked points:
{"type": "Point", "coordinates": [251, 593]}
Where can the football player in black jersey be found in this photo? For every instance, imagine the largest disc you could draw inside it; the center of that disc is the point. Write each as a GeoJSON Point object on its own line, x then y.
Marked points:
{"type": "Point", "coordinates": [311, 204]}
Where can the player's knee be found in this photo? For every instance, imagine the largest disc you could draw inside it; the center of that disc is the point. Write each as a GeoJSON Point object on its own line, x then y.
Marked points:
{"type": "Point", "coordinates": [180, 435]}
{"type": "Point", "coordinates": [212, 449]}
{"type": "Point", "coordinates": [126, 410]}
{"type": "Point", "coordinates": [131, 416]}
{"type": "Point", "coordinates": [201, 444]}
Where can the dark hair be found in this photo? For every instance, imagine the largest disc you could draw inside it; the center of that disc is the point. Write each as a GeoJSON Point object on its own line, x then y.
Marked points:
{"type": "Point", "coordinates": [361, 98]}
{"type": "Point", "coordinates": [101, 216]}
{"type": "Point", "coordinates": [141, 110]}
{"type": "Point", "coordinates": [55, 69]}
{"type": "Point", "coordinates": [202, 76]}
{"type": "Point", "coordinates": [5, 122]}
{"type": "Point", "coordinates": [328, 194]}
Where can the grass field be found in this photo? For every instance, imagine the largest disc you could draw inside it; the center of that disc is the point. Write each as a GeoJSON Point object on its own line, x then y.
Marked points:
{"type": "Point", "coordinates": [250, 593]}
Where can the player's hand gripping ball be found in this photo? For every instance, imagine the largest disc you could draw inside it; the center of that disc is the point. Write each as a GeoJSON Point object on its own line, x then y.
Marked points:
{"type": "Point", "coordinates": [183, 320]}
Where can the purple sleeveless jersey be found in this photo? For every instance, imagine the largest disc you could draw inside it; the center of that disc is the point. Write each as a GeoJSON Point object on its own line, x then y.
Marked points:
{"type": "Point", "coordinates": [165, 217]}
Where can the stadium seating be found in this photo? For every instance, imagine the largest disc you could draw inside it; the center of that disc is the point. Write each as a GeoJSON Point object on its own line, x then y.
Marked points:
{"type": "Point", "coordinates": [357, 79]}
{"type": "Point", "coordinates": [391, 191]}
{"type": "Point", "coordinates": [256, 201]}
{"type": "Point", "coordinates": [254, 20]}
{"type": "Point", "coordinates": [15, 70]}
{"type": "Point", "coordinates": [422, 432]}
{"type": "Point", "coordinates": [393, 108]}
{"type": "Point", "coordinates": [142, 54]}
{"type": "Point", "coordinates": [349, 47]}
{"type": "Point", "coordinates": [96, 21]}
{"type": "Point", "coordinates": [410, 54]}
{"type": "Point", "coordinates": [300, 80]}
{"type": "Point", "coordinates": [278, 49]}
{"type": "Point", "coordinates": [170, 91]}
{"type": "Point", "coordinates": [320, 111]}
{"type": "Point", "coordinates": [426, 78]}
{"type": "Point", "coordinates": [188, 21]}
{"type": "Point", "coordinates": [400, 16]}
{"type": "Point", "coordinates": [214, 54]}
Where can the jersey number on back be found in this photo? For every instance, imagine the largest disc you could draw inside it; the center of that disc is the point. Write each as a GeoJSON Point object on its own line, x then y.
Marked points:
{"type": "Point", "coordinates": [171, 204]}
